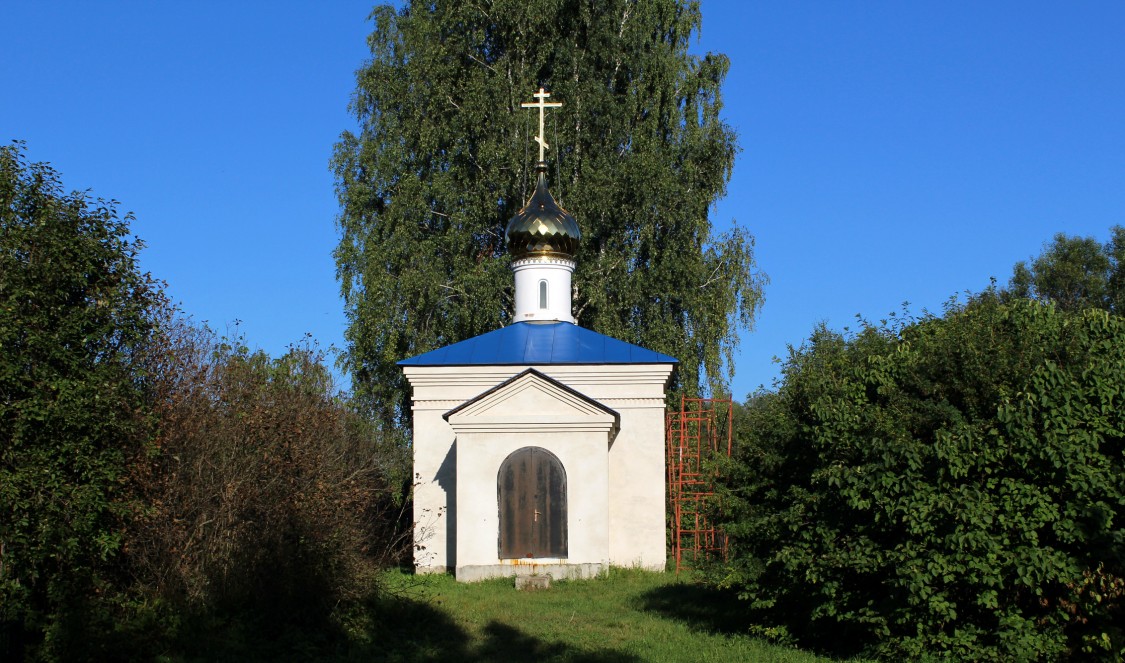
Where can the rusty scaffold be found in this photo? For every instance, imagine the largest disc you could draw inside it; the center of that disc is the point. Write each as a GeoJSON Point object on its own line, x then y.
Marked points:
{"type": "Point", "coordinates": [696, 434]}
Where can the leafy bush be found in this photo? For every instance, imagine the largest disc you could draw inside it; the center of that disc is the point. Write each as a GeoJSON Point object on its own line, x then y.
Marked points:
{"type": "Point", "coordinates": [954, 486]}
{"type": "Point", "coordinates": [75, 311]}
{"type": "Point", "coordinates": [155, 480]}
{"type": "Point", "coordinates": [270, 499]}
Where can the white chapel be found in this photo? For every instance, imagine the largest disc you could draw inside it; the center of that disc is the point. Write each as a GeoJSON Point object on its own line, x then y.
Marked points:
{"type": "Point", "coordinates": [539, 447]}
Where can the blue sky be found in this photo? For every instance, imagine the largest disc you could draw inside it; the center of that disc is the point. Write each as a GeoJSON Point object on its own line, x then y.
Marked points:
{"type": "Point", "coordinates": [891, 151]}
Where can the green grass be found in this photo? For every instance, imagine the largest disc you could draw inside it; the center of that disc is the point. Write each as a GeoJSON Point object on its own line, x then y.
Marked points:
{"type": "Point", "coordinates": [623, 616]}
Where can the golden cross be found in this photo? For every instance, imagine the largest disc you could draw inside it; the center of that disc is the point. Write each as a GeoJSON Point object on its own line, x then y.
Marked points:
{"type": "Point", "coordinates": [541, 104]}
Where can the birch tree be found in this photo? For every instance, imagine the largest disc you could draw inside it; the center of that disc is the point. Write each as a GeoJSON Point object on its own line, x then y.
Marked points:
{"type": "Point", "coordinates": [443, 157]}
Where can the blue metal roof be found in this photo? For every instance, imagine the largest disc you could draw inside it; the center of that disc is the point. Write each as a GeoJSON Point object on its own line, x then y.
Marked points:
{"type": "Point", "coordinates": [528, 343]}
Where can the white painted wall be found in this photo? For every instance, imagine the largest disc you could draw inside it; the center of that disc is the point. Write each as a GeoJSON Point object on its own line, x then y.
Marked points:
{"type": "Point", "coordinates": [637, 486]}
{"type": "Point", "coordinates": [435, 476]}
{"type": "Point", "coordinates": [583, 457]}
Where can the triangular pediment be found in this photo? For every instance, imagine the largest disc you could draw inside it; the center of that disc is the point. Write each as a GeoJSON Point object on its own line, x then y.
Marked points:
{"type": "Point", "coordinates": [530, 398]}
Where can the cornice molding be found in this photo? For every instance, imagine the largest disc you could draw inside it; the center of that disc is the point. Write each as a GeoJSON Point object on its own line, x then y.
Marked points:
{"type": "Point", "coordinates": [569, 374]}
{"type": "Point", "coordinates": [530, 426]}
{"type": "Point", "coordinates": [444, 405]}
{"type": "Point", "coordinates": [544, 260]}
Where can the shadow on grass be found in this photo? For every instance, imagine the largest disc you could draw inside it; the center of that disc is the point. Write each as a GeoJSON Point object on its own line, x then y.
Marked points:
{"type": "Point", "coordinates": [711, 610]}
{"type": "Point", "coordinates": [701, 607]}
{"type": "Point", "coordinates": [399, 630]}
{"type": "Point", "coordinates": [504, 643]}
{"type": "Point", "coordinates": [412, 630]}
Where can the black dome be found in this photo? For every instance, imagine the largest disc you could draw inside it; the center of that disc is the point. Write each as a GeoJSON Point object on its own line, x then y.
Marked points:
{"type": "Point", "coordinates": [542, 227]}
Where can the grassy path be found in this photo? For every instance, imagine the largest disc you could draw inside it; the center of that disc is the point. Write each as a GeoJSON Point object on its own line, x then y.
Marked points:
{"type": "Point", "coordinates": [623, 617]}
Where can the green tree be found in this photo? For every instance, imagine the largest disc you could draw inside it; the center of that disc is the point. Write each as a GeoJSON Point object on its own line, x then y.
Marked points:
{"type": "Point", "coordinates": [1076, 273]}
{"type": "Point", "coordinates": [952, 487]}
{"type": "Point", "coordinates": [1115, 247]}
{"type": "Point", "coordinates": [75, 311]}
{"type": "Point", "coordinates": [443, 160]}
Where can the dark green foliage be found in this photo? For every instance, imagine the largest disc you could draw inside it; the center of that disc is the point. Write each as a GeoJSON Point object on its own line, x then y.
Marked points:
{"type": "Point", "coordinates": [951, 487]}
{"type": "Point", "coordinates": [74, 312]}
{"type": "Point", "coordinates": [443, 159]}
{"type": "Point", "coordinates": [162, 490]}
{"type": "Point", "coordinates": [1076, 273]}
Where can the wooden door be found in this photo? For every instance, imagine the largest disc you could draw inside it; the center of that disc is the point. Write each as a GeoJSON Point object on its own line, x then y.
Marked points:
{"type": "Point", "coordinates": [531, 492]}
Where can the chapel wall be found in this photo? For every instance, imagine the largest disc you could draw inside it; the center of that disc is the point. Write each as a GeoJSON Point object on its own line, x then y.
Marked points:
{"type": "Point", "coordinates": [637, 490]}
{"type": "Point", "coordinates": [435, 515]}
{"type": "Point", "coordinates": [635, 499]}
{"type": "Point", "coordinates": [582, 455]}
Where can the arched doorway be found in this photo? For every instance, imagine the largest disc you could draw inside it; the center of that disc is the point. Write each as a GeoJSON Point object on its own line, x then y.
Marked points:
{"type": "Point", "coordinates": [531, 492]}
